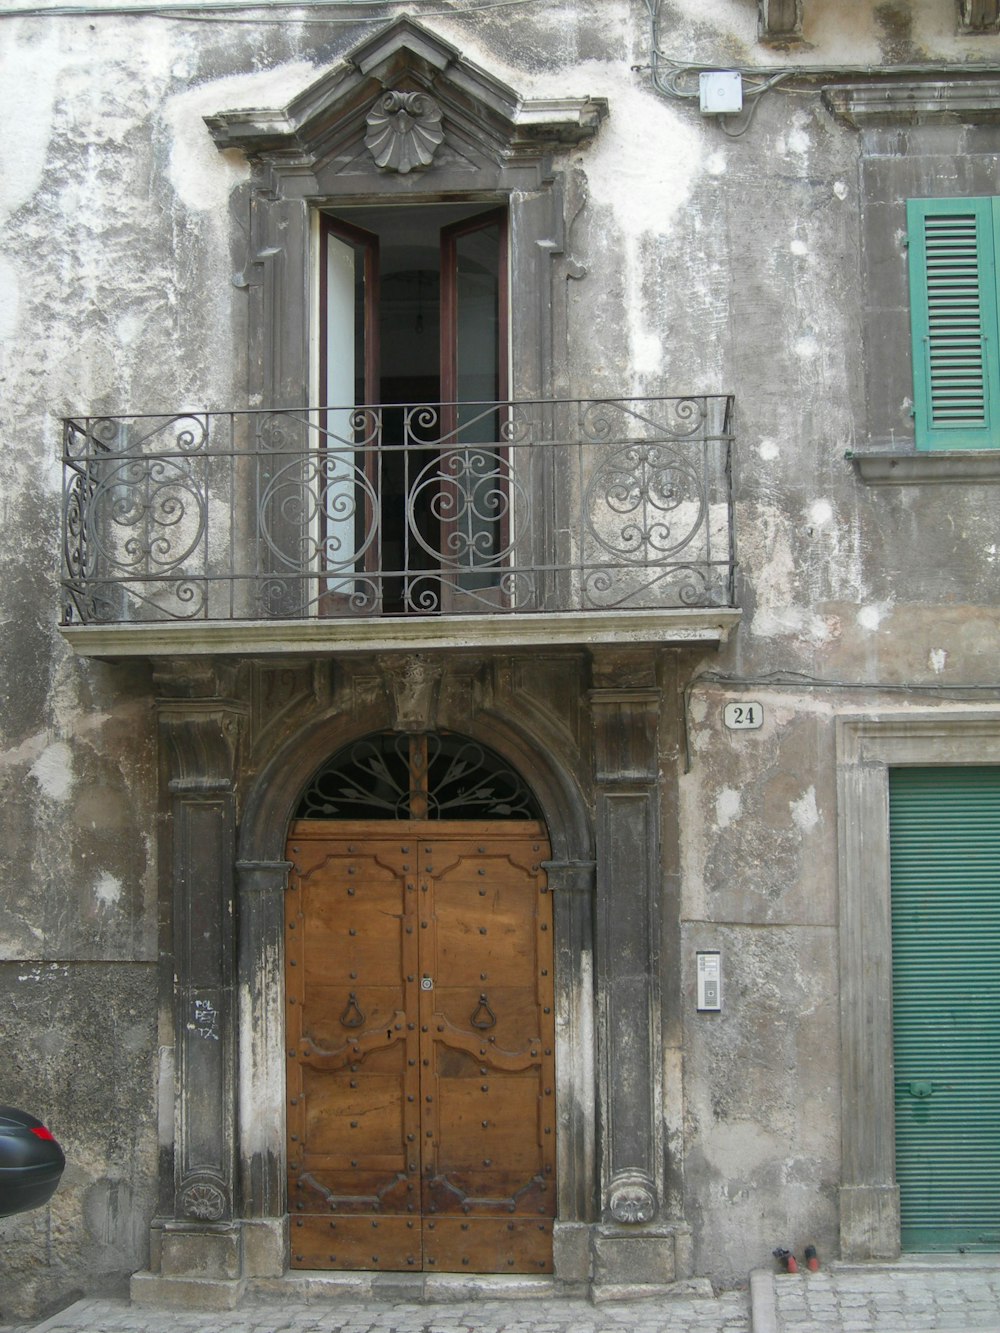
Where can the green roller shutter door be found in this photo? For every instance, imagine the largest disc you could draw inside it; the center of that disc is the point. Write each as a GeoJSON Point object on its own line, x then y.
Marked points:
{"type": "Point", "coordinates": [945, 849]}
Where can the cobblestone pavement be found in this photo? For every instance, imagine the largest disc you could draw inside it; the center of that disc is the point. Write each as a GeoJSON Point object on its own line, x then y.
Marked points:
{"type": "Point", "coordinates": [908, 1297]}
{"type": "Point", "coordinates": [729, 1313]}
{"type": "Point", "coordinates": [913, 1296]}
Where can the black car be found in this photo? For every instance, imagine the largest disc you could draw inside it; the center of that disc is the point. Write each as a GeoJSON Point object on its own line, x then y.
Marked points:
{"type": "Point", "coordinates": [31, 1162]}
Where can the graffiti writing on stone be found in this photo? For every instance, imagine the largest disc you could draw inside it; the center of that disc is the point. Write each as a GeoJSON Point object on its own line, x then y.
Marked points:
{"type": "Point", "coordinates": [206, 1020]}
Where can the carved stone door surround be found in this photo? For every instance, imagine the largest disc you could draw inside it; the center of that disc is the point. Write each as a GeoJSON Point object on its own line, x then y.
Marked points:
{"type": "Point", "coordinates": [617, 1217]}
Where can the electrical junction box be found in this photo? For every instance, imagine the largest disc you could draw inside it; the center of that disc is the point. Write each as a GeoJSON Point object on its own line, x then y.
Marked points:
{"type": "Point", "coordinates": [721, 92]}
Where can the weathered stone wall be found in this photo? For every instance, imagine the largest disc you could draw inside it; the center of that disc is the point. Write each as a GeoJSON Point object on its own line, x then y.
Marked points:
{"type": "Point", "coordinates": [710, 263]}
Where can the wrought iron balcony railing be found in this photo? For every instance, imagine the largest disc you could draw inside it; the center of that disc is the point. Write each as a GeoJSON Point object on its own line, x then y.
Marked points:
{"type": "Point", "coordinates": [507, 508]}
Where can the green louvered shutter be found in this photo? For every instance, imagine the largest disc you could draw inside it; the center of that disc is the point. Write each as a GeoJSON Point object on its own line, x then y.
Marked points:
{"type": "Point", "coordinates": [953, 305]}
{"type": "Point", "coordinates": [945, 847]}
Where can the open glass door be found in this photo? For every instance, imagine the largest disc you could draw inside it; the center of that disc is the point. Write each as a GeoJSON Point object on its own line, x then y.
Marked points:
{"type": "Point", "coordinates": [348, 459]}
{"type": "Point", "coordinates": [473, 463]}
{"type": "Point", "coordinates": [414, 314]}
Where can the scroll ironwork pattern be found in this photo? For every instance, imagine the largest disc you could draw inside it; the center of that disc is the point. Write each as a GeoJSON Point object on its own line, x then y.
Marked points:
{"type": "Point", "coordinates": [422, 509]}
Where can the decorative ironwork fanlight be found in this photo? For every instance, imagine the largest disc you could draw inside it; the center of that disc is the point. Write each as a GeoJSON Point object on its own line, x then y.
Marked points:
{"type": "Point", "coordinates": [428, 776]}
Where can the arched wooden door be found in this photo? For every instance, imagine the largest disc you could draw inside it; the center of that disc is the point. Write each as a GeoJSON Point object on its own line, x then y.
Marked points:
{"type": "Point", "coordinates": [420, 1038]}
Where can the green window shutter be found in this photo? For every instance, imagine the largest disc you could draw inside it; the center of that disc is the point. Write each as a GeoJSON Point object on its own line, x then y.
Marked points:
{"type": "Point", "coordinates": [953, 304]}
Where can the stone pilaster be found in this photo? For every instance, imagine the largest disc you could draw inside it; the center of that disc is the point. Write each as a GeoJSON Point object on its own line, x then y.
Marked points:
{"type": "Point", "coordinates": [201, 733]}
{"type": "Point", "coordinates": [632, 1246]}
{"type": "Point", "coordinates": [261, 888]}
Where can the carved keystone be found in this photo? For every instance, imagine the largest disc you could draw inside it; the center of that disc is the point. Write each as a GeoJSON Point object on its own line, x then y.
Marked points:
{"type": "Point", "coordinates": [413, 684]}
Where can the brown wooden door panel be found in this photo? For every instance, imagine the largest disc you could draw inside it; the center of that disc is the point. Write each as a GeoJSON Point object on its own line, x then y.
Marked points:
{"type": "Point", "coordinates": [491, 1125]}
{"type": "Point", "coordinates": [420, 1034]}
{"type": "Point", "coordinates": [337, 1027]}
{"type": "Point", "coordinates": [353, 1190]}
{"type": "Point", "coordinates": [357, 1243]}
{"type": "Point", "coordinates": [485, 1245]}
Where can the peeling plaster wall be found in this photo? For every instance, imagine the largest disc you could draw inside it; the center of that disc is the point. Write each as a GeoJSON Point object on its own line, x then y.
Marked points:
{"type": "Point", "coordinates": [712, 264]}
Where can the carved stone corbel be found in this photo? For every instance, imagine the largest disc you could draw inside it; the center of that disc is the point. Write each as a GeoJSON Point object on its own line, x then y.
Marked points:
{"type": "Point", "coordinates": [978, 16]}
{"type": "Point", "coordinates": [780, 21]}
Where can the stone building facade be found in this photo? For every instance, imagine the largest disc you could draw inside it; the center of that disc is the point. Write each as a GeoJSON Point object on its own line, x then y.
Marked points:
{"type": "Point", "coordinates": [555, 434]}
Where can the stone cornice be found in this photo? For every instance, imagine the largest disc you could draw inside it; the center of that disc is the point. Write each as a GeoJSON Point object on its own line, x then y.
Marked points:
{"type": "Point", "coordinates": [407, 55]}
{"type": "Point", "coordinates": [975, 100]}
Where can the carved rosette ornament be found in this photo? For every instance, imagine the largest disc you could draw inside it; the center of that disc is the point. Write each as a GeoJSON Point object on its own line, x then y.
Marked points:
{"type": "Point", "coordinates": [404, 131]}
{"type": "Point", "coordinates": [204, 1201]}
{"type": "Point", "coordinates": [632, 1197]}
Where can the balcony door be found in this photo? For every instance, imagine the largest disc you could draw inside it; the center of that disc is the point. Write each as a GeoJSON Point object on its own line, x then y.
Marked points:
{"type": "Point", "coordinates": [413, 362]}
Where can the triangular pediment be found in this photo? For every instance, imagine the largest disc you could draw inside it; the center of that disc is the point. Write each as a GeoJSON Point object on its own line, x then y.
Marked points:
{"type": "Point", "coordinates": [406, 101]}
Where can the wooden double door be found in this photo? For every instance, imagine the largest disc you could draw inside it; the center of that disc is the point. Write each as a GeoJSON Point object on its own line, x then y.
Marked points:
{"type": "Point", "coordinates": [420, 1046]}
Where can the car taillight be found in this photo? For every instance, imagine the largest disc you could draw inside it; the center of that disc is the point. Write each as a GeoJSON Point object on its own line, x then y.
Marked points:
{"type": "Point", "coordinates": [41, 1132]}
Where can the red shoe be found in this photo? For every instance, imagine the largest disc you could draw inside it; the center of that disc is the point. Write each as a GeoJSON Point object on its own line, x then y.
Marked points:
{"type": "Point", "coordinates": [787, 1260]}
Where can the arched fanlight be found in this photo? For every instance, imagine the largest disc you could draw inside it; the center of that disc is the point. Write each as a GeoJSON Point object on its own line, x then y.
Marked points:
{"type": "Point", "coordinates": [392, 775]}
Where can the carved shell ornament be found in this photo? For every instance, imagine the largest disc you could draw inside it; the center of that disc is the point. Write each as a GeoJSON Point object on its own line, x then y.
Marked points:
{"type": "Point", "coordinates": [404, 131]}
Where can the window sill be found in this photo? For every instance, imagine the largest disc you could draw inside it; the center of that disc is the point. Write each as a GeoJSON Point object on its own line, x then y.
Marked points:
{"type": "Point", "coordinates": [930, 468]}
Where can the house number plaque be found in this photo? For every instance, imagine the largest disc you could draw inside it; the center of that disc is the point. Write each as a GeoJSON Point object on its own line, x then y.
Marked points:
{"type": "Point", "coordinates": [743, 717]}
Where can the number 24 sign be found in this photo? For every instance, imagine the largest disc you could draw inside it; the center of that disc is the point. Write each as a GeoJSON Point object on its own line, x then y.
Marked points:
{"type": "Point", "coordinates": [743, 717]}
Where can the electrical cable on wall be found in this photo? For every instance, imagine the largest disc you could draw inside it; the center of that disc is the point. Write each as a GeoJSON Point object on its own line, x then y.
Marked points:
{"type": "Point", "coordinates": [798, 680]}
{"type": "Point", "coordinates": [678, 79]}
{"type": "Point", "coordinates": [235, 11]}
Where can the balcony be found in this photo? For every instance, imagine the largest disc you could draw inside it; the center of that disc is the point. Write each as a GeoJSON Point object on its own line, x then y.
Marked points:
{"type": "Point", "coordinates": [429, 525]}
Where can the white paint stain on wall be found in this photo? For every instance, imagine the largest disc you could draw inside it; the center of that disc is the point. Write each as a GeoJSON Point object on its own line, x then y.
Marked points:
{"type": "Point", "coordinates": [728, 806]}
{"type": "Point", "coordinates": [820, 512]}
{"type": "Point", "coordinates": [870, 617]}
{"type": "Point", "coordinates": [10, 298]}
{"type": "Point", "coordinates": [29, 76]}
{"type": "Point", "coordinates": [937, 659]}
{"type": "Point", "coordinates": [53, 771]}
{"type": "Point", "coordinates": [202, 176]}
{"type": "Point", "coordinates": [107, 889]}
{"type": "Point", "coordinates": [658, 188]}
{"type": "Point", "coordinates": [805, 814]}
